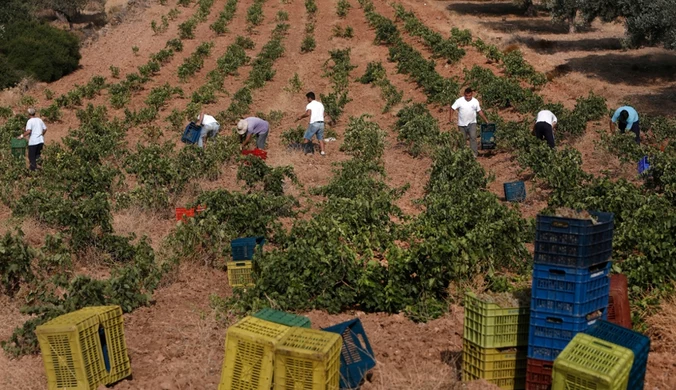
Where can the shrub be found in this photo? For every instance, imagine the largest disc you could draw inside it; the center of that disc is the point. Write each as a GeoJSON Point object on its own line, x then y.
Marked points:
{"type": "Point", "coordinates": [51, 113]}
{"type": "Point", "coordinates": [342, 8]}
{"type": "Point", "coordinates": [282, 16]}
{"type": "Point", "coordinates": [175, 44]}
{"type": "Point", "coordinates": [49, 94]}
{"type": "Point", "coordinates": [186, 30]}
{"type": "Point", "coordinates": [308, 44]}
{"type": "Point", "coordinates": [38, 50]}
{"type": "Point", "coordinates": [114, 71]}
{"type": "Point", "coordinates": [340, 32]}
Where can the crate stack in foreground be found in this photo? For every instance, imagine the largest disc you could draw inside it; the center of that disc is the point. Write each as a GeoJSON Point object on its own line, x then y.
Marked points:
{"type": "Point", "coordinates": [495, 341]}
{"type": "Point", "coordinates": [241, 266]}
{"type": "Point", "coordinates": [570, 286]}
{"type": "Point", "coordinates": [84, 349]}
{"type": "Point", "coordinates": [278, 350]}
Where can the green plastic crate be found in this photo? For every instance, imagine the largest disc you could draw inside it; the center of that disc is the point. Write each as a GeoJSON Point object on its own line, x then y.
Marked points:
{"type": "Point", "coordinates": [491, 326]}
{"type": "Point", "coordinates": [588, 363]}
{"type": "Point", "coordinates": [284, 318]}
{"type": "Point", "coordinates": [18, 147]}
{"type": "Point", "coordinates": [494, 363]}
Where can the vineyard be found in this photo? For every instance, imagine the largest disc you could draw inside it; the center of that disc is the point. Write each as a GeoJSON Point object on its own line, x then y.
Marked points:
{"type": "Point", "coordinates": [393, 225]}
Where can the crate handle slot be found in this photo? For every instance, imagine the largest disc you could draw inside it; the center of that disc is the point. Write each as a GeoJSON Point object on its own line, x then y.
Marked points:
{"type": "Point", "coordinates": [557, 272]}
{"type": "Point", "coordinates": [602, 344]}
{"type": "Point", "coordinates": [555, 320]}
{"type": "Point", "coordinates": [598, 267]}
{"type": "Point", "coordinates": [560, 224]}
{"type": "Point", "coordinates": [241, 264]}
{"type": "Point", "coordinates": [548, 366]}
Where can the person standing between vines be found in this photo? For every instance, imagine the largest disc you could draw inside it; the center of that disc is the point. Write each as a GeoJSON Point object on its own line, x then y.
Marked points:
{"type": "Point", "coordinates": [36, 129]}
{"type": "Point", "coordinates": [627, 119]}
{"type": "Point", "coordinates": [314, 110]}
{"type": "Point", "coordinates": [467, 107]}
{"type": "Point", "coordinates": [210, 127]}
{"type": "Point", "coordinates": [253, 126]}
{"type": "Point", "coordinates": [544, 126]}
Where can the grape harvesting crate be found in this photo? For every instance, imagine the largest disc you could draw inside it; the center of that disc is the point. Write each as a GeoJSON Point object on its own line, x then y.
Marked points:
{"type": "Point", "coordinates": [244, 248]}
{"type": "Point", "coordinates": [240, 273]}
{"type": "Point", "coordinates": [490, 326]}
{"type": "Point", "coordinates": [505, 384]}
{"type": "Point", "coordinates": [280, 317]}
{"type": "Point", "coordinates": [570, 291]}
{"type": "Point", "coordinates": [643, 165]}
{"type": "Point", "coordinates": [191, 134]}
{"type": "Point", "coordinates": [71, 351]}
{"type": "Point", "coordinates": [493, 363]}
{"type": "Point", "coordinates": [356, 355]}
{"type": "Point", "coordinates": [550, 333]}
{"type": "Point", "coordinates": [574, 242]}
{"type": "Point", "coordinates": [487, 136]}
{"type": "Point", "coordinates": [539, 374]}
{"type": "Point", "coordinates": [250, 353]}
{"type": "Point", "coordinates": [619, 311]}
{"type": "Point", "coordinates": [515, 191]}
{"type": "Point", "coordinates": [589, 363]}
{"type": "Point", "coordinates": [113, 342]}
{"type": "Point", "coordinates": [18, 147]}
{"type": "Point", "coordinates": [308, 359]}
{"type": "Point", "coordinates": [639, 344]}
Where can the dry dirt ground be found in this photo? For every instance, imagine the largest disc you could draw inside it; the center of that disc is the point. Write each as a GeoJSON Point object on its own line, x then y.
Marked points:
{"type": "Point", "coordinates": [177, 343]}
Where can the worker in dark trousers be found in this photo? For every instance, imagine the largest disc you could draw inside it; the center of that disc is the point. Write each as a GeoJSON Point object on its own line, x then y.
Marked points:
{"type": "Point", "coordinates": [544, 126]}
{"type": "Point", "coordinates": [626, 118]}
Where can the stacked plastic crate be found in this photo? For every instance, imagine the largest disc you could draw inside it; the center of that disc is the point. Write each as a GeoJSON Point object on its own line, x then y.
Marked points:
{"type": "Point", "coordinates": [240, 269]}
{"type": "Point", "coordinates": [570, 287]}
{"type": "Point", "coordinates": [495, 343]}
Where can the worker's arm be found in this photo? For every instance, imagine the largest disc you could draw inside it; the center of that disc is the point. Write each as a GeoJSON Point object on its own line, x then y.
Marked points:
{"type": "Point", "coordinates": [554, 125]}
{"type": "Point", "coordinates": [199, 119]}
{"type": "Point", "coordinates": [483, 116]}
{"type": "Point", "coordinates": [246, 140]}
{"type": "Point", "coordinates": [305, 115]}
{"type": "Point", "coordinates": [611, 124]}
{"type": "Point", "coordinates": [450, 115]}
{"type": "Point", "coordinates": [26, 134]}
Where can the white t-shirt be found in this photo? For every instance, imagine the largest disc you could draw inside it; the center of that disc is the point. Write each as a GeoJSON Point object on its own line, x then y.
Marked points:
{"type": "Point", "coordinates": [466, 110]}
{"type": "Point", "coordinates": [208, 120]}
{"type": "Point", "coordinates": [36, 126]}
{"type": "Point", "coordinates": [317, 109]}
{"type": "Point", "coordinates": [546, 116]}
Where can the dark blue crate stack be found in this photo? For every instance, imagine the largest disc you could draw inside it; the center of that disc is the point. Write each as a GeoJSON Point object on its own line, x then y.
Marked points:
{"type": "Point", "coordinates": [638, 343]}
{"type": "Point", "coordinates": [571, 281]}
{"type": "Point", "coordinates": [356, 357]}
{"type": "Point", "coordinates": [243, 248]}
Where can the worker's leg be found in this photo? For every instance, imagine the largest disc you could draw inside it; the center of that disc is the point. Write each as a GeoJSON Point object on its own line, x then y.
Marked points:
{"type": "Point", "coordinates": [32, 157]}
{"type": "Point", "coordinates": [637, 130]}
{"type": "Point", "coordinates": [320, 137]}
{"type": "Point", "coordinates": [549, 134]}
{"type": "Point", "coordinates": [260, 142]}
{"type": "Point", "coordinates": [307, 138]}
{"type": "Point", "coordinates": [38, 154]}
{"type": "Point", "coordinates": [471, 129]}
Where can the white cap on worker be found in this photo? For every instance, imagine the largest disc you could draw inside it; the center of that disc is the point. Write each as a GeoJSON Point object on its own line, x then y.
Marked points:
{"type": "Point", "coordinates": [31, 111]}
{"type": "Point", "coordinates": [242, 126]}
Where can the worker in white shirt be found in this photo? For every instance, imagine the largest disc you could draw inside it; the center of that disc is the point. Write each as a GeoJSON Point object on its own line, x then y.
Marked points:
{"type": "Point", "coordinates": [314, 110]}
{"type": "Point", "coordinates": [467, 107]}
{"type": "Point", "coordinates": [36, 129]}
{"type": "Point", "coordinates": [544, 126]}
{"type": "Point", "coordinates": [210, 127]}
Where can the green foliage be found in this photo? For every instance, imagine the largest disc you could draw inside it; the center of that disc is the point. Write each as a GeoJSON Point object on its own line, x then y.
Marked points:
{"type": "Point", "coordinates": [52, 113]}
{"type": "Point", "coordinates": [225, 17]}
{"type": "Point", "coordinates": [295, 84]}
{"type": "Point", "coordinates": [160, 28]}
{"type": "Point", "coordinates": [27, 101]}
{"type": "Point", "coordinates": [417, 129]}
{"type": "Point", "coordinates": [173, 13]}
{"type": "Point", "coordinates": [501, 92]}
{"type": "Point", "coordinates": [195, 61]}
{"type": "Point", "coordinates": [254, 15]}
{"type": "Point", "coordinates": [162, 57]}
{"type": "Point", "coordinates": [204, 95]}
{"type": "Point", "coordinates": [114, 71]}
{"type": "Point", "coordinates": [175, 44]}
{"type": "Point", "coordinates": [37, 50]}
{"type": "Point", "coordinates": [282, 16]}
{"type": "Point", "coordinates": [184, 3]}
{"type": "Point", "coordinates": [364, 140]}
{"type": "Point", "coordinates": [15, 263]}
{"type": "Point", "coordinates": [311, 7]}
{"type": "Point", "coordinates": [516, 66]}
{"type": "Point", "coordinates": [461, 37]}
{"type": "Point", "coordinates": [49, 94]}
{"type": "Point", "coordinates": [6, 112]}
{"type": "Point", "coordinates": [342, 8]}
{"type": "Point", "coordinates": [135, 50]}
{"type": "Point", "coordinates": [308, 44]}
{"type": "Point", "coordinates": [259, 176]}
{"type": "Point", "coordinates": [245, 42]}
{"type": "Point", "coordinates": [375, 73]}
{"type": "Point", "coordinates": [338, 69]}
{"type": "Point", "coordinates": [158, 96]}
{"type": "Point", "coordinates": [491, 52]}
{"type": "Point", "coordinates": [340, 32]}
{"type": "Point", "coordinates": [203, 10]}
{"type": "Point", "coordinates": [186, 30]}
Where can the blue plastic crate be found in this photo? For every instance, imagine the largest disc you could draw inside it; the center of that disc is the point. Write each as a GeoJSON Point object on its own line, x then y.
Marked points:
{"type": "Point", "coordinates": [191, 134]}
{"type": "Point", "coordinates": [570, 291]}
{"type": "Point", "coordinates": [487, 136]}
{"type": "Point", "coordinates": [515, 191]}
{"type": "Point", "coordinates": [574, 242]}
{"type": "Point", "coordinates": [356, 357]}
{"type": "Point", "coordinates": [637, 342]}
{"type": "Point", "coordinates": [243, 248]}
{"type": "Point", "coordinates": [643, 165]}
{"type": "Point", "coordinates": [550, 333]}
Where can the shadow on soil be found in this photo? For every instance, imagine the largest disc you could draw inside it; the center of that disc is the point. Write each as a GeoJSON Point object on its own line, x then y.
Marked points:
{"type": "Point", "coordinates": [487, 8]}
{"type": "Point", "coordinates": [546, 46]}
{"type": "Point", "coordinates": [660, 103]}
{"type": "Point", "coordinates": [533, 26]}
{"type": "Point", "coordinates": [627, 68]}
{"type": "Point", "coordinates": [454, 360]}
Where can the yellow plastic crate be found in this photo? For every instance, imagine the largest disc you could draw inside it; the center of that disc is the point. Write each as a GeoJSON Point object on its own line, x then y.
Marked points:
{"type": "Point", "coordinates": [239, 274]}
{"type": "Point", "coordinates": [588, 363]}
{"type": "Point", "coordinates": [494, 363]}
{"type": "Point", "coordinates": [308, 359]}
{"type": "Point", "coordinates": [71, 351]}
{"type": "Point", "coordinates": [250, 353]}
{"type": "Point", "coordinates": [110, 318]}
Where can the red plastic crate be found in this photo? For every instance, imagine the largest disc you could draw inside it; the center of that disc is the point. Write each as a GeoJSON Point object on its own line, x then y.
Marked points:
{"type": "Point", "coordinates": [182, 212]}
{"type": "Point", "coordinates": [539, 374]}
{"type": "Point", "coordinates": [256, 152]}
{"type": "Point", "coordinates": [619, 312]}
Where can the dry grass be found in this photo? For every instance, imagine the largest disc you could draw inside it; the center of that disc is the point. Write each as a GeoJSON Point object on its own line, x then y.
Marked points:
{"type": "Point", "coordinates": [661, 328]}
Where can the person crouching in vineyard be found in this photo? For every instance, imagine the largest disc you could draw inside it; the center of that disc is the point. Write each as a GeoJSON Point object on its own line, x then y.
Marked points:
{"type": "Point", "coordinates": [467, 107]}
{"type": "Point", "coordinates": [627, 119]}
{"type": "Point", "coordinates": [253, 126]}
{"type": "Point", "coordinates": [544, 126]}
{"type": "Point", "coordinates": [210, 128]}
